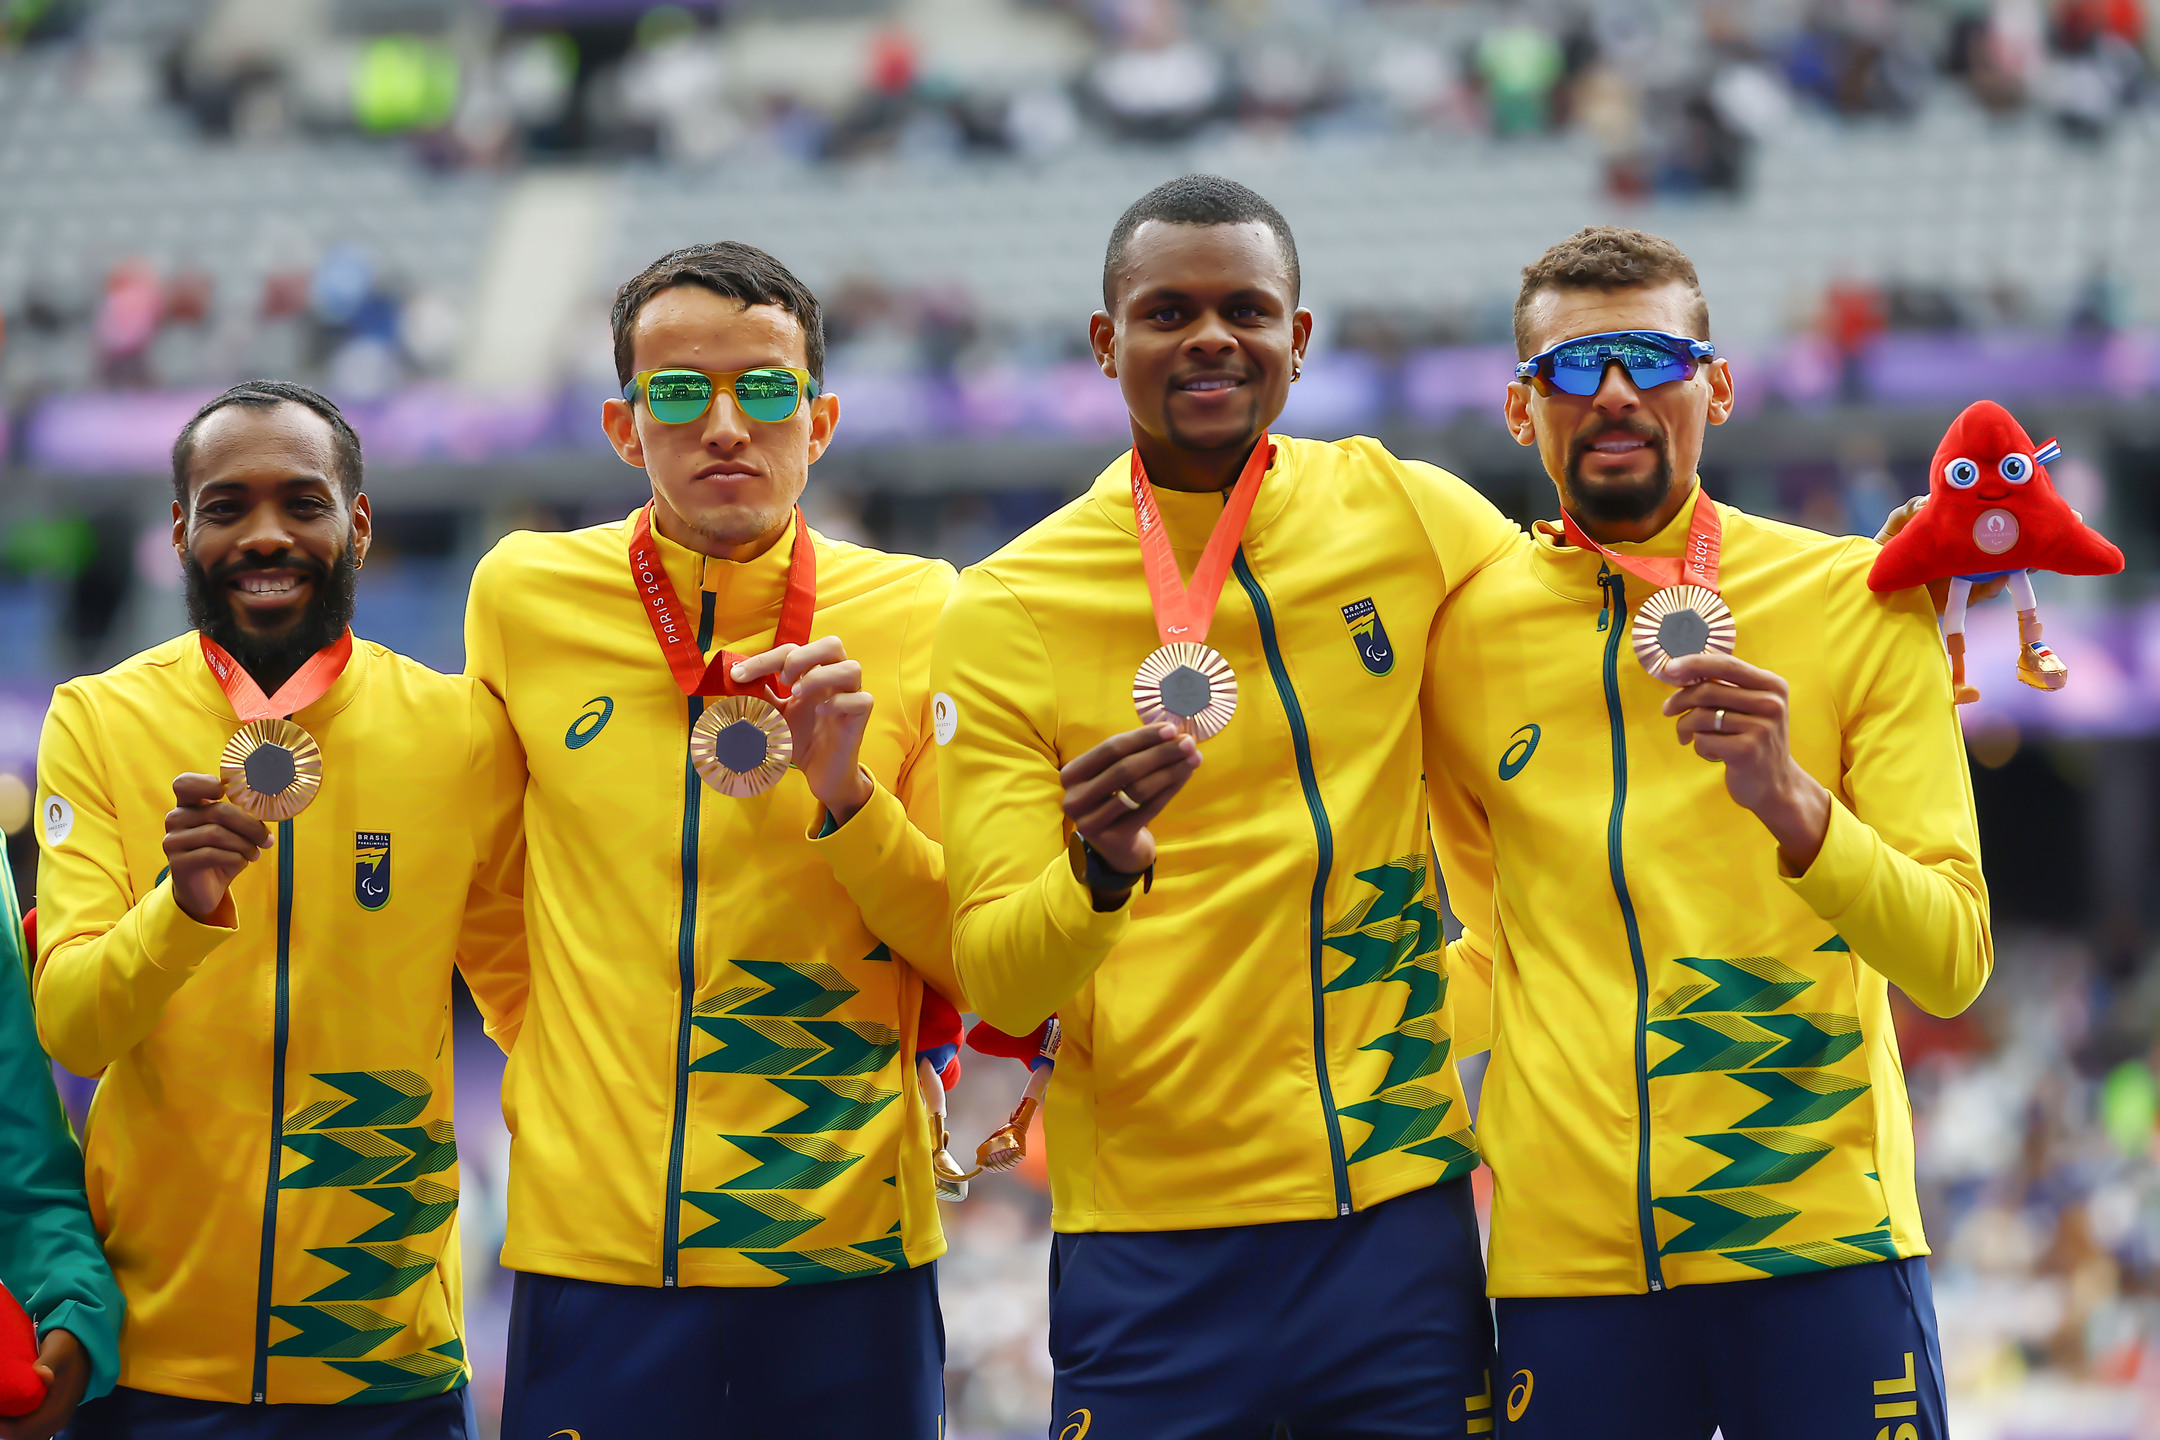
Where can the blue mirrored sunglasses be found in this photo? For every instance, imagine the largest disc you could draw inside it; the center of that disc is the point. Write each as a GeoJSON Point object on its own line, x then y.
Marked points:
{"type": "Point", "coordinates": [1652, 357]}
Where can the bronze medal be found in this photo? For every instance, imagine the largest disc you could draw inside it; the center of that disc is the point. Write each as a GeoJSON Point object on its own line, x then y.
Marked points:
{"type": "Point", "coordinates": [272, 769]}
{"type": "Point", "coordinates": [741, 746]}
{"type": "Point", "coordinates": [1681, 620]}
{"type": "Point", "coordinates": [1186, 685]}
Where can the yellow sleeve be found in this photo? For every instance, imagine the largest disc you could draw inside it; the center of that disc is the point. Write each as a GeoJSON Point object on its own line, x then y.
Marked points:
{"type": "Point", "coordinates": [107, 963]}
{"type": "Point", "coordinates": [491, 943]}
{"type": "Point", "coordinates": [1899, 870]}
{"type": "Point", "coordinates": [887, 855]}
{"type": "Point", "coordinates": [1026, 935]}
{"type": "Point", "coordinates": [484, 658]}
{"type": "Point", "coordinates": [1463, 846]}
{"type": "Point", "coordinates": [1466, 530]}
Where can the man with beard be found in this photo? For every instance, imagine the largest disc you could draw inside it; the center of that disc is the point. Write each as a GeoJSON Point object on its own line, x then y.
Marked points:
{"type": "Point", "coordinates": [1259, 1151]}
{"type": "Point", "coordinates": [265, 844]}
{"type": "Point", "coordinates": [1704, 1212]}
{"type": "Point", "coordinates": [722, 1213]}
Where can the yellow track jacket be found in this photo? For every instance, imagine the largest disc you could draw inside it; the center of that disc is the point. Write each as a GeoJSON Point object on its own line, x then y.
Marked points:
{"type": "Point", "coordinates": [715, 1080]}
{"type": "Point", "coordinates": [1260, 1037]}
{"type": "Point", "coordinates": [269, 1156]}
{"type": "Point", "coordinates": [1694, 1076]}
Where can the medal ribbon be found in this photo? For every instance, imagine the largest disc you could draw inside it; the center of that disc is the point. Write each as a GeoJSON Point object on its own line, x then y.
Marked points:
{"type": "Point", "coordinates": [1696, 564]}
{"type": "Point", "coordinates": [693, 672]}
{"type": "Point", "coordinates": [308, 684]}
{"type": "Point", "coordinates": [1186, 612]}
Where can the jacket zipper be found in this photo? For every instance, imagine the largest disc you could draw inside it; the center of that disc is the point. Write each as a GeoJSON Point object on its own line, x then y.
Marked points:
{"type": "Point", "coordinates": [1612, 620]}
{"type": "Point", "coordinates": [686, 971]}
{"type": "Point", "coordinates": [280, 1033]}
{"type": "Point", "coordinates": [1301, 744]}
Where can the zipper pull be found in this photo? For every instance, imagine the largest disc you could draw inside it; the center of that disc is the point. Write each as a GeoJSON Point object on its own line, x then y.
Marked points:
{"type": "Point", "coordinates": [1605, 579]}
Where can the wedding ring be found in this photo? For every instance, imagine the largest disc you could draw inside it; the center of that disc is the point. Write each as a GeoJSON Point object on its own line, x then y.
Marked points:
{"type": "Point", "coordinates": [1126, 800]}
{"type": "Point", "coordinates": [1721, 722]}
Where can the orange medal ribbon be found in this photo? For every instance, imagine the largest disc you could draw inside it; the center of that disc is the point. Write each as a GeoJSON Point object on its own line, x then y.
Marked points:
{"type": "Point", "coordinates": [1183, 613]}
{"type": "Point", "coordinates": [678, 642]}
{"type": "Point", "coordinates": [308, 684]}
{"type": "Point", "coordinates": [1696, 564]}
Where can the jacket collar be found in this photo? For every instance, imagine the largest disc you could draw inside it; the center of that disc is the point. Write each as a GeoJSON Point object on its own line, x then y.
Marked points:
{"type": "Point", "coordinates": [1189, 517]}
{"type": "Point", "coordinates": [1572, 572]}
{"type": "Point", "coordinates": [748, 593]}
{"type": "Point", "coordinates": [203, 687]}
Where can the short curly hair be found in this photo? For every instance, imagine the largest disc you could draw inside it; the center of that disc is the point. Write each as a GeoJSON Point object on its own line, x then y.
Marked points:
{"type": "Point", "coordinates": [1608, 257]}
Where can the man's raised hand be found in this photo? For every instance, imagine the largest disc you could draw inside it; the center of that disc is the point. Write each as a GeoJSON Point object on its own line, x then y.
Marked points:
{"type": "Point", "coordinates": [208, 841]}
{"type": "Point", "coordinates": [827, 713]}
{"type": "Point", "coordinates": [1115, 789]}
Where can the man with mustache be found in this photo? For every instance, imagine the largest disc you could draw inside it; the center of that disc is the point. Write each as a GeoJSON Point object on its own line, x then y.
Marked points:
{"type": "Point", "coordinates": [1704, 1212]}
{"type": "Point", "coordinates": [1259, 1151]}
{"type": "Point", "coordinates": [259, 965]}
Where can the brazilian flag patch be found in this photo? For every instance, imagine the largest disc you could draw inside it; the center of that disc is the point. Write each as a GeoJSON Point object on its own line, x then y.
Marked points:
{"type": "Point", "coordinates": [1369, 635]}
{"type": "Point", "coordinates": [371, 868]}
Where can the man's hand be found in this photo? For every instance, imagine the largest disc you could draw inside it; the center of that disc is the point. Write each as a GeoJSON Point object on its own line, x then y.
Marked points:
{"type": "Point", "coordinates": [827, 711]}
{"type": "Point", "coordinates": [1113, 791]}
{"type": "Point", "coordinates": [1938, 590]}
{"type": "Point", "coordinates": [208, 841]}
{"type": "Point", "coordinates": [65, 1366]}
{"type": "Point", "coordinates": [1734, 712]}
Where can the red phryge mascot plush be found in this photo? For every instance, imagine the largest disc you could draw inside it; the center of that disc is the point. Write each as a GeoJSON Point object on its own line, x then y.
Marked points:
{"type": "Point", "coordinates": [1992, 513]}
{"type": "Point", "coordinates": [22, 1389]}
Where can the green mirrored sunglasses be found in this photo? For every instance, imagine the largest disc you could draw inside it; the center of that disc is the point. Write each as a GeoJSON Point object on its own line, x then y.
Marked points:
{"type": "Point", "coordinates": [768, 393]}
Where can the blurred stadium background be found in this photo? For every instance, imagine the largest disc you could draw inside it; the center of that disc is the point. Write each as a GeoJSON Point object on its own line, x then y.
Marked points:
{"type": "Point", "coordinates": [1897, 206]}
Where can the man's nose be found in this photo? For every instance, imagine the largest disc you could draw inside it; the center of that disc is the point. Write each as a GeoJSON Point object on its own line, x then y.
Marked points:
{"type": "Point", "coordinates": [1616, 392]}
{"type": "Point", "coordinates": [266, 531]}
{"type": "Point", "coordinates": [726, 427]}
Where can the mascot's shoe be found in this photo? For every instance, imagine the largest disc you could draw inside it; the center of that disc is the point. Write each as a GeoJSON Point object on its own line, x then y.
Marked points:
{"type": "Point", "coordinates": [952, 1181]}
{"type": "Point", "coordinates": [2037, 665]}
{"type": "Point", "coordinates": [1960, 692]}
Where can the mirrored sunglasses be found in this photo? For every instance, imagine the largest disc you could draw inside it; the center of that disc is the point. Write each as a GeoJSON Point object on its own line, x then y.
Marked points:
{"type": "Point", "coordinates": [1651, 358]}
{"type": "Point", "coordinates": [768, 393]}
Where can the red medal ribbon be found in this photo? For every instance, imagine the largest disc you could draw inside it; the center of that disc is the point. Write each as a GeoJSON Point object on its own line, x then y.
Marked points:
{"type": "Point", "coordinates": [678, 641]}
{"type": "Point", "coordinates": [1185, 612]}
{"type": "Point", "coordinates": [1696, 564]}
{"type": "Point", "coordinates": [308, 684]}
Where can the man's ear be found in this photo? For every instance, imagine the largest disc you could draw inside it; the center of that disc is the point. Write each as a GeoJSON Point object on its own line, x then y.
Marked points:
{"type": "Point", "coordinates": [363, 528]}
{"type": "Point", "coordinates": [1521, 423]}
{"type": "Point", "coordinates": [179, 532]}
{"type": "Point", "coordinates": [620, 423]}
{"type": "Point", "coordinates": [824, 420]}
{"type": "Point", "coordinates": [1102, 339]}
{"type": "Point", "coordinates": [1719, 374]}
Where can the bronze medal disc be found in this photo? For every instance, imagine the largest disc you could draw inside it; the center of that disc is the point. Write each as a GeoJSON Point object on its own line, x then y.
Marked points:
{"type": "Point", "coordinates": [271, 769]}
{"type": "Point", "coordinates": [741, 746]}
{"type": "Point", "coordinates": [1186, 685]}
{"type": "Point", "coordinates": [1681, 620]}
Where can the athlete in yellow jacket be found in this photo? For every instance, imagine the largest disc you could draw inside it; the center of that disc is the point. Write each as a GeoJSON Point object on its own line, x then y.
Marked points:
{"type": "Point", "coordinates": [721, 1204]}
{"type": "Point", "coordinates": [1704, 1212]}
{"type": "Point", "coordinates": [1257, 1139]}
{"type": "Point", "coordinates": [270, 1157]}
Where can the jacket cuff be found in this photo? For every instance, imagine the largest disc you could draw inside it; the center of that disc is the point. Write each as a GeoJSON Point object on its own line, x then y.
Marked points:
{"type": "Point", "coordinates": [1835, 882]}
{"type": "Point", "coordinates": [94, 1332]}
{"type": "Point", "coordinates": [174, 939]}
{"type": "Point", "coordinates": [866, 840]}
{"type": "Point", "coordinates": [1072, 910]}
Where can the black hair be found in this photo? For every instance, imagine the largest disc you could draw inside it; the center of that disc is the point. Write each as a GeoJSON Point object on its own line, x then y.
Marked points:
{"type": "Point", "coordinates": [725, 267]}
{"type": "Point", "coordinates": [1196, 200]}
{"type": "Point", "coordinates": [262, 395]}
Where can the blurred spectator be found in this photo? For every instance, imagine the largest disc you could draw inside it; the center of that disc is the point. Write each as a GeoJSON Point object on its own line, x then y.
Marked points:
{"type": "Point", "coordinates": [127, 320]}
{"type": "Point", "coordinates": [1518, 62]}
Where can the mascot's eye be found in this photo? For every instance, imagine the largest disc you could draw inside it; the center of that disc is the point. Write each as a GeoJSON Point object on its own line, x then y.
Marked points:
{"type": "Point", "coordinates": [1962, 473]}
{"type": "Point", "coordinates": [2016, 469]}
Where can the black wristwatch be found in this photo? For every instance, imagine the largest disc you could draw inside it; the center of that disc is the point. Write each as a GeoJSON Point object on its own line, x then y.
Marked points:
{"type": "Point", "coordinates": [1091, 870]}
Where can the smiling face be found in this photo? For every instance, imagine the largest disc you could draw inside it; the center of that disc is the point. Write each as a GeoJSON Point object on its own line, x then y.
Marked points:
{"type": "Point", "coordinates": [1204, 340]}
{"type": "Point", "coordinates": [724, 484]}
{"type": "Point", "coordinates": [267, 539]}
{"type": "Point", "coordinates": [1615, 455]}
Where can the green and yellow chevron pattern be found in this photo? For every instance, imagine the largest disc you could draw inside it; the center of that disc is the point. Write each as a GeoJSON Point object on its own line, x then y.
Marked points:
{"type": "Point", "coordinates": [1393, 937]}
{"type": "Point", "coordinates": [837, 1077]}
{"type": "Point", "coordinates": [1776, 1070]}
{"type": "Point", "coordinates": [370, 1140]}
